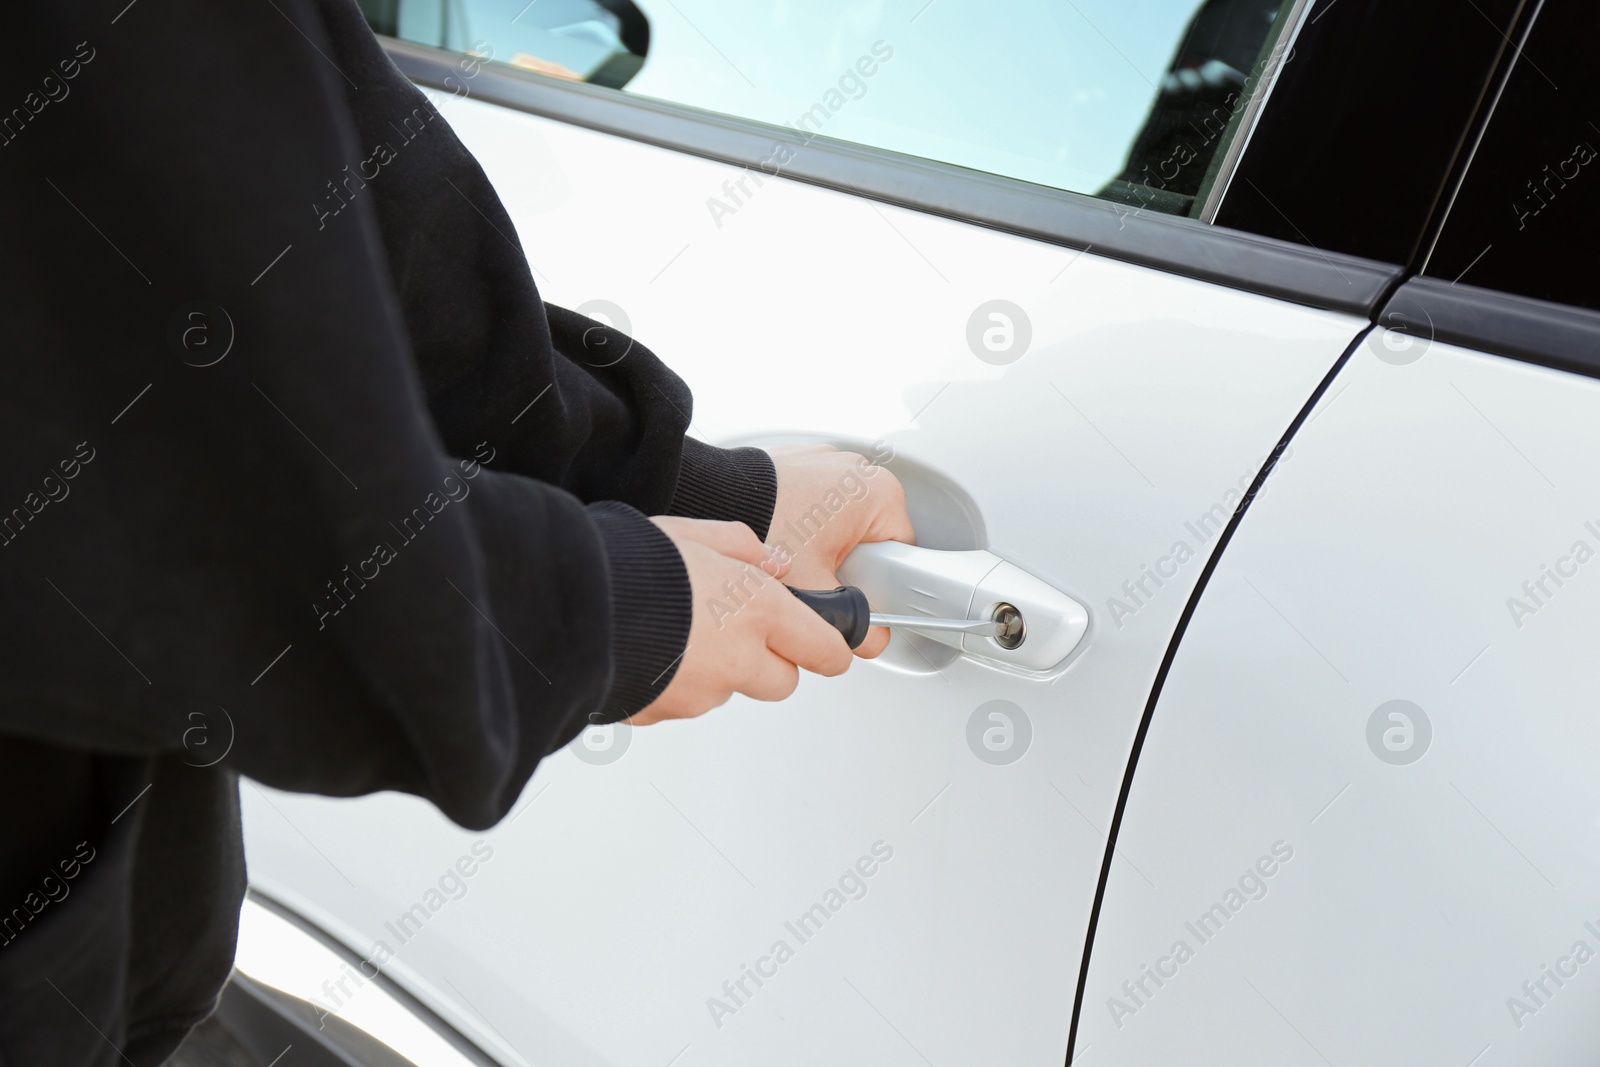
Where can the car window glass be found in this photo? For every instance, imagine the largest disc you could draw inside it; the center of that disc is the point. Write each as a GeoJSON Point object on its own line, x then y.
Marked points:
{"type": "Point", "coordinates": [1527, 213]}
{"type": "Point", "coordinates": [1128, 99]}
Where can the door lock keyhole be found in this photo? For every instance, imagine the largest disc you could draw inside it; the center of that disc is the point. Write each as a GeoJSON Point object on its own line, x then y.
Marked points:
{"type": "Point", "coordinates": [1012, 631]}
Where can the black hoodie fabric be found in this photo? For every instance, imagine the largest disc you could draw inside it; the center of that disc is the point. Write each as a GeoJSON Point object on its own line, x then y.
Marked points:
{"type": "Point", "coordinates": [299, 479]}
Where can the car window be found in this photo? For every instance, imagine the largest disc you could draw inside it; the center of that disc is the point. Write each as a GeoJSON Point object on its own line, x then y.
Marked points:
{"type": "Point", "coordinates": [599, 41]}
{"type": "Point", "coordinates": [1135, 100]}
{"type": "Point", "coordinates": [1527, 213]}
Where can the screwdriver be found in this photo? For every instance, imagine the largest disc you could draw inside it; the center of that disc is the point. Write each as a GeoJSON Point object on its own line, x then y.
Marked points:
{"type": "Point", "coordinates": [847, 611]}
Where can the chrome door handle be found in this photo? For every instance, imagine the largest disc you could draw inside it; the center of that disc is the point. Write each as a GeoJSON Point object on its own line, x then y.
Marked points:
{"type": "Point", "coordinates": [925, 584]}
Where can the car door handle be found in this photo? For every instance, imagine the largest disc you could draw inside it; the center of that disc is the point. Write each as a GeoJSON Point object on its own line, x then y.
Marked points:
{"type": "Point", "coordinates": [976, 585]}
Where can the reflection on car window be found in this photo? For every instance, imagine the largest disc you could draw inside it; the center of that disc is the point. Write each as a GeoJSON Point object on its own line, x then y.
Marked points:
{"type": "Point", "coordinates": [1224, 61]}
{"type": "Point", "coordinates": [1130, 99]}
{"type": "Point", "coordinates": [1525, 217]}
{"type": "Point", "coordinates": [599, 41]}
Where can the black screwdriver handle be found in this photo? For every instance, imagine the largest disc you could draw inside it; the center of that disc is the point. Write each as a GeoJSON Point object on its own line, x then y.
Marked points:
{"type": "Point", "coordinates": [844, 608]}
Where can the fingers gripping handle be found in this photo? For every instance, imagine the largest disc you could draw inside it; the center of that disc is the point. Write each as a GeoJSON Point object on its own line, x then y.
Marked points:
{"type": "Point", "coordinates": [844, 608]}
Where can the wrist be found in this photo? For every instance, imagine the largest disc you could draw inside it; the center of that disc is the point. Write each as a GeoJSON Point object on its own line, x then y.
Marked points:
{"type": "Point", "coordinates": [651, 608]}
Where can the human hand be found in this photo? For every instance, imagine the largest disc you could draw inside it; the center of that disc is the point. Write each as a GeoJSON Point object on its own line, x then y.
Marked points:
{"type": "Point", "coordinates": [828, 503]}
{"type": "Point", "coordinates": [748, 634]}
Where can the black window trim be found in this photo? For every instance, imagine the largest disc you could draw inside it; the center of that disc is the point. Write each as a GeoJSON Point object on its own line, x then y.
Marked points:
{"type": "Point", "coordinates": [1238, 260]}
{"type": "Point", "coordinates": [1541, 332]}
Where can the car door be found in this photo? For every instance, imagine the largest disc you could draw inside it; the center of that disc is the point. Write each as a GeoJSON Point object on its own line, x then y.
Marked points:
{"type": "Point", "coordinates": [1366, 789]}
{"type": "Point", "coordinates": [1036, 326]}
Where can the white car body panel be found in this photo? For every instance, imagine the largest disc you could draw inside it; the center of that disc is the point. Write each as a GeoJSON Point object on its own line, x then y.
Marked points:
{"type": "Point", "coordinates": [620, 897]}
{"type": "Point", "coordinates": [1379, 565]}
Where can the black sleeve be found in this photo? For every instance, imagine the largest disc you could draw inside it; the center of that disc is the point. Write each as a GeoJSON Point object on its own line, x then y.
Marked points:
{"type": "Point", "coordinates": [227, 488]}
{"type": "Point", "coordinates": [557, 395]}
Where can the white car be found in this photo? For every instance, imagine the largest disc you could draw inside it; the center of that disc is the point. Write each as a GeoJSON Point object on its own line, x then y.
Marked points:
{"type": "Point", "coordinates": [1249, 348]}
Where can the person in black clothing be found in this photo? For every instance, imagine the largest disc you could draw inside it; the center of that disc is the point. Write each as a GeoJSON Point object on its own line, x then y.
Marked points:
{"type": "Point", "coordinates": [275, 461]}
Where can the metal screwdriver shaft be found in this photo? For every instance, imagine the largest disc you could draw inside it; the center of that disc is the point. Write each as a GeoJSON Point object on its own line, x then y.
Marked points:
{"type": "Point", "coordinates": [981, 627]}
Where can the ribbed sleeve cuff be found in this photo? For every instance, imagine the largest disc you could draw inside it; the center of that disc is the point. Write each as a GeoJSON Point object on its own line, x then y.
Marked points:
{"type": "Point", "coordinates": [651, 607]}
{"type": "Point", "coordinates": [733, 484]}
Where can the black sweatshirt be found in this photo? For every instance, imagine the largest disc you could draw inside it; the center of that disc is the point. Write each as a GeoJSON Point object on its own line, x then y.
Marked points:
{"type": "Point", "coordinates": [295, 465]}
